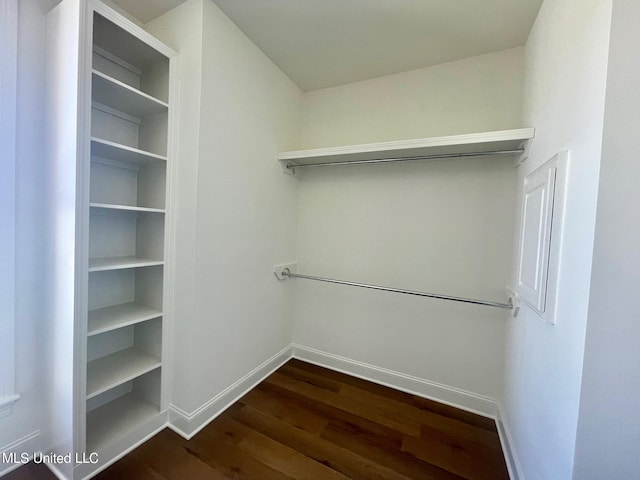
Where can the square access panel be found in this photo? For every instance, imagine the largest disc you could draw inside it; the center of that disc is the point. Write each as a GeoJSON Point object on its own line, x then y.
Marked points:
{"type": "Point", "coordinates": [543, 200]}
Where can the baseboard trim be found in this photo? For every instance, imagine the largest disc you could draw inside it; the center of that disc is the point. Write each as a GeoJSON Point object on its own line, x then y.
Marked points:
{"type": "Point", "coordinates": [188, 424]}
{"type": "Point", "coordinates": [115, 451]}
{"type": "Point", "coordinates": [28, 443]}
{"type": "Point", "coordinates": [508, 447]}
{"type": "Point", "coordinates": [56, 471]}
{"type": "Point", "coordinates": [470, 402]}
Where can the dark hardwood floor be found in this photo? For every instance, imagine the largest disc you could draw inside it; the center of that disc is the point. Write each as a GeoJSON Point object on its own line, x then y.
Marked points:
{"type": "Point", "coordinates": [307, 422]}
{"type": "Point", "coordinates": [31, 472]}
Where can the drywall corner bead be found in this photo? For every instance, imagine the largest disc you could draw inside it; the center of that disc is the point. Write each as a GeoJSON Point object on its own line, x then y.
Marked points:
{"type": "Point", "coordinates": [543, 200]}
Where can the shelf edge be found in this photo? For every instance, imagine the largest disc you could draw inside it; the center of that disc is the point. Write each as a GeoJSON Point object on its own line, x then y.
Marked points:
{"type": "Point", "coordinates": [129, 88]}
{"type": "Point", "coordinates": [127, 148]}
{"type": "Point", "coordinates": [126, 265]}
{"type": "Point", "coordinates": [127, 378]}
{"type": "Point", "coordinates": [126, 208]}
{"type": "Point", "coordinates": [443, 141]}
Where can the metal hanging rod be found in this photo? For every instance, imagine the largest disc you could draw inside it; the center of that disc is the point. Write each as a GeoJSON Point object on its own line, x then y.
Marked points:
{"type": "Point", "coordinates": [509, 306]}
{"type": "Point", "coordinates": [410, 159]}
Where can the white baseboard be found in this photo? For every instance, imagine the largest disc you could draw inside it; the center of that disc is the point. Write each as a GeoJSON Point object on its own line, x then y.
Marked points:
{"type": "Point", "coordinates": [115, 451]}
{"type": "Point", "coordinates": [188, 424]}
{"type": "Point", "coordinates": [129, 442]}
{"type": "Point", "coordinates": [27, 444]}
{"type": "Point", "coordinates": [508, 447]}
{"type": "Point", "coordinates": [471, 402]}
{"type": "Point", "coordinates": [56, 471]}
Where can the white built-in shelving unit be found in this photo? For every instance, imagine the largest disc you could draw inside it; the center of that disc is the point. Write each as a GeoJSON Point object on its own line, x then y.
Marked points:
{"type": "Point", "coordinates": [123, 147]}
{"type": "Point", "coordinates": [130, 91]}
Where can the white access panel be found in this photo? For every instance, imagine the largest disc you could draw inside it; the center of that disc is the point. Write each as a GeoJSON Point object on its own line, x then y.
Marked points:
{"type": "Point", "coordinates": [541, 234]}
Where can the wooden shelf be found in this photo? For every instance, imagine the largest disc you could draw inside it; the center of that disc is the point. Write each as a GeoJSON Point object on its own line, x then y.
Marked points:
{"type": "Point", "coordinates": [116, 94]}
{"type": "Point", "coordinates": [115, 419]}
{"type": "Point", "coordinates": [128, 208]}
{"type": "Point", "coordinates": [117, 316]}
{"type": "Point", "coordinates": [123, 153]}
{"type": "Point", "coordinates": [107, 372]}
{"type": "Point", "coordinates": [471, 143]}
{"type": "Point", "coordinates": [119, 263]}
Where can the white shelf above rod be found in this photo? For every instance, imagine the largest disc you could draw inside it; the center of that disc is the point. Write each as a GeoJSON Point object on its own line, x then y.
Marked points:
{"type": "Point", "coordinates": [285, 272]}
{"type": "Point", "coordinates": [486, 144]}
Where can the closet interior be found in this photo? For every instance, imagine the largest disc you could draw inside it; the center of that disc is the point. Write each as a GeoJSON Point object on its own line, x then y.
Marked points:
{"type": "Point", "coordinates": [508, 143]}
{"type": "Point", "coordinates": [129, 339]}
{"type": "Point", "coordinates": [163, 156]}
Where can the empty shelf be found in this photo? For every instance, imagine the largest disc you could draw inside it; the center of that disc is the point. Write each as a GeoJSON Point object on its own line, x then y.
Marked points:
{"type": "Point", "coordinates": [117, 316]}
{"type": "Point", "coordinates": [118, 263]}
{"type": "Point", "coordinates": [115, 94]}
{"type": "Point", "coordinates": [128, 208]}
{"type": "Point", "coordinates": [107, 372]}
{"type": "Point", "coordinates": [481, 143]}
{"type": "Point", "coordinates": [123, 153]}
{"type": "Point", "coordinates": [135, 47]}
{"type": "Point", "coordinates": [115, 419]}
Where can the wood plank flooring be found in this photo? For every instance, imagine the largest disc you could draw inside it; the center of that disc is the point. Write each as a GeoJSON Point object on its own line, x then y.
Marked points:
{"type": "Point", "coordinates": [307, 422]}
{"type": "Point", "coordinates": [30, 472]}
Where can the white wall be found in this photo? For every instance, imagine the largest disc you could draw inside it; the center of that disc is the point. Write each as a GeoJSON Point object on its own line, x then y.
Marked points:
{"type": "Point", "coordinates": [8, 89]}
{"type": "Point", "coordinates": [28, 420]}
{"type": "Point", "coordinates": [61, 147]}
{"type": "Point", "coordinates": [476, 94]}
{"type": "Point", "coordinates": [181, 29]}
{"type": "Point", "coordinates": [566, 61]}
{"type": "Point", "coordinates": [609, 421]}
{"type": "Point", "coordinates": [235, 315]}
{"type": "Point", "coordinates": [246, 207]}
{"type": "Point", "coordinates": [441, 226]}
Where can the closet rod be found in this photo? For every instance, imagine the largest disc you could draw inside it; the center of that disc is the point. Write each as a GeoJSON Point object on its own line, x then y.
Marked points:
{"type": "Point", "coordinates": [410, 159]}
{"type": "Point", "coordinates": [287, 273]}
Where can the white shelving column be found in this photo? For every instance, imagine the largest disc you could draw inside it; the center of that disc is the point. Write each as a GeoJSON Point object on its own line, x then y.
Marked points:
{"type": "Point", "coordinates": [127, 245]}
{"type": "Point", "coordinates": [120, 144]}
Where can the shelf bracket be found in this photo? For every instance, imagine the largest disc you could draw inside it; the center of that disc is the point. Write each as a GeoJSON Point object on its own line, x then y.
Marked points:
{"type": "Point", "coordinates": [287, 168]}
{"type": "Point", "coordinates": [279, 270]}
